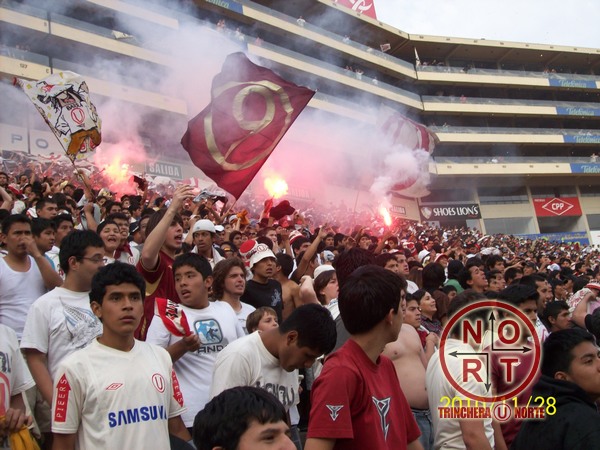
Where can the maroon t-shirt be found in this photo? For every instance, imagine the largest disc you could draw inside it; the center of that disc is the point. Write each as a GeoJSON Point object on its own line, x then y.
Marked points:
{"type": "Point", "coordinates": [159, 283]}
{"type": "Point", "coordinates": [360, 404]}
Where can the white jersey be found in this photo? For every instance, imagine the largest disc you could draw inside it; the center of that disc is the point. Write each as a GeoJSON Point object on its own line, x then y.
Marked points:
{"type": "Point", "coordinates": [14, 374]}
{"type": "Point", "coordinates": [59, 323]}
{"type": "Point", "coordinates": [247, 362]}
{"type": "Point", "coordinates": [18, 290]}
{"type": "Point", "coordinates": [217, 326]}
{"type": "Point", "coordinates": [116, 400]}
{"type": "Point", "coordinates": [130, 259]}
{"type": "Point", "coordinates": [448, 434]}
{"type": "Point", "coordinates": [53, 255]}
{"type": "Point", "coordinates": [242, 314]}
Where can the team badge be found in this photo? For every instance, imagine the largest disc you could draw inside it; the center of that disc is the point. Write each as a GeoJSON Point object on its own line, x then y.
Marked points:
{"type": "Point", "coordinates": [334, 411]}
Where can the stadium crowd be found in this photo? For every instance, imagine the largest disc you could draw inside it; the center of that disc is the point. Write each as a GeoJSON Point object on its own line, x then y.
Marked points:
{"type": "Point", "coordinates": [92, 283]}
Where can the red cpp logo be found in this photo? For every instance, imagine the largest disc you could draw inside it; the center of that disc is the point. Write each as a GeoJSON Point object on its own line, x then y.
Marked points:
{"type": "Point", "coordinates": [557, 206]}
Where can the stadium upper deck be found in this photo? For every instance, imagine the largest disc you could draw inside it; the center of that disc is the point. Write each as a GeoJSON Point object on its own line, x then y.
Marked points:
{"type": "Point", "coordinates": [517, 122]}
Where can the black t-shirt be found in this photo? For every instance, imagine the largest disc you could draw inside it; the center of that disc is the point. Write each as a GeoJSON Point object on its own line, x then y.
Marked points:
{"type": "Point", "coordinates": [269, 294]}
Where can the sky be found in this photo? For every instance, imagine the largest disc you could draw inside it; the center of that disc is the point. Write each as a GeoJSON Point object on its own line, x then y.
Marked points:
{"type": "Point", "coordinates": [557, 22]}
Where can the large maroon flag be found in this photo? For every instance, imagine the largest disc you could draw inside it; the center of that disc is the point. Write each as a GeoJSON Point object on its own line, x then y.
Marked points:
{"type": "Point", "coordinates": [250, 111]}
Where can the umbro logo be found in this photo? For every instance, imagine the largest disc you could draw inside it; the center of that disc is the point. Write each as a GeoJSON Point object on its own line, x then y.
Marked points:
{"type": "Point", "coordinates": [114, 386]}
{"type": "Point", "coordinates": [334, 411]}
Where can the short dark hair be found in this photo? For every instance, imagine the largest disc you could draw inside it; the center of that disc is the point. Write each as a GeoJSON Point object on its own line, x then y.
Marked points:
{"type": "Point", "coordinates": [350, 260]}
{"type": "Point", "coordinates": [491, 261]}
{"type": "Point", "coordinates": [12, 219]}
{"type": "Point", "coordinates": [117, 215]}
{"type": "Point", "coordinates": [43, 201]}
{"type": "Point", "coordinates": [556, 353]}
{"type": "Point", "coordinates": [286, 262]}
{"type": "Point", "coordinates": [227, 416]}
{"type": "Point", "coordinates": [254, 317]}
{"type": "Point", "coordinates": [39, 225]}
{"type": "Point", "coordinates": [449, 288]}
{"type": "Point", "coordinates": [113, 275]}
{"type": "Point", "coordinates": [463, 277]}
{"type": "Point", "coordinates": [157, 217]}
{"type": "Point", "coordinates": [382, 259]}
{"type": "Point", "coordinates": [75, 244]}
{"type": "Point", "coordinates": [63, 218]}
{"type": "Point", "coordinates": [104, 224]}
{"type": "Point", "coordinates": [220, 272]}
{"type": "Point", "coordinates": [367, 297]}
{"type": "Point", "coordinates": [511, 273]}
{"type": "Point", "coordinates": [532, 280]}
{"type": "Point", "coordinates": [198, 262]}
{"type": "Point", "coordinates": [492, 274]}
{"type": "Point", "coordinates": [553, 309]}
{"type": "Point", "coordinates": [298, 242]}
{"type": "Point", "coordinates": [315, 327]}
{"type": "Point", "coordinates": [516, 294]}
{"type": "Point", "coordinates": [433, 276]}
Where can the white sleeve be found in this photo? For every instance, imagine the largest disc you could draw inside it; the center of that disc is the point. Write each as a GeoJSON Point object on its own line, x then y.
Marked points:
{"type": "Point", "coordinates": [36, 333]}
{"type": "Point", "coordinates": [231, 370]}
{"type": "Point", "coordinates": [21, 379]}
{"type": "Point", "coordinates": [158, 334]}
{"type": "Point", "coordinates": [176, 406]}
{"type": "Point", "coordinates": [67, 400]}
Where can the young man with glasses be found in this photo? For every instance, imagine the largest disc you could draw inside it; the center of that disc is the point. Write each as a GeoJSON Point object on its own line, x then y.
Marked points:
{"type": "Point", "coordinates": [62, 321]}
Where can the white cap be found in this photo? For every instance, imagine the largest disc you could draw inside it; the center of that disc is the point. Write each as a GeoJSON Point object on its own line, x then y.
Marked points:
{"type": "Point", "coordinates": [204, 225]}
{"type": "Point", "coordinates": [260, 252]}
{"type": "Point", "coordinates": [322, 269]}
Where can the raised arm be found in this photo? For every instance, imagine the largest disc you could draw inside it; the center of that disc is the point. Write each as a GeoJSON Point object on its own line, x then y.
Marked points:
{"type": "Point", "coordinates": [156, 239]}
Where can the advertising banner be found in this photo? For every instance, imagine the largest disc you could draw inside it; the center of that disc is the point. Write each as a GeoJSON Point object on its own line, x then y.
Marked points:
{"type": "Point", "coordinates": [550, 207]}
{"type": "Point", "coordinates": [567, 237]}
{"type": "Point", "coordinates": [450, 212]}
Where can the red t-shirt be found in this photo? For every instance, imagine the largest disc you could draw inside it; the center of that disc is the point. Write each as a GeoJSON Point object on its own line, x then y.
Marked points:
{"type": "Point", "coordinates": [159, 283]}
{"type": "Point", "coordinates": [360, 404]}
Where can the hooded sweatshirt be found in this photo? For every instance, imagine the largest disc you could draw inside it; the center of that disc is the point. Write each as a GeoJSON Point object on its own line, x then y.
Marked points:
{"type": "Point", "coordinates": [575, 426]}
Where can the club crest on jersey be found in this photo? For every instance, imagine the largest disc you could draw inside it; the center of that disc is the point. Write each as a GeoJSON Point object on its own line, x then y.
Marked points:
{"type": "Point", "coordinates": [383, 408]}
{"type": "Point", "coordinates": [159, 382]}
{"type": "Point", "coordinates": [334, 411]}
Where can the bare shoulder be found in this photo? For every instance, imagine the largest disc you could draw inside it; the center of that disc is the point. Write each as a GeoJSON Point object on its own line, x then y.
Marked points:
{"type": "Point", "coordinates": [408, 342]}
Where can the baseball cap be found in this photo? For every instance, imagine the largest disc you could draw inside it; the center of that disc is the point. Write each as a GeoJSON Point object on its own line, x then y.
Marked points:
{"type": "Point", "coordinates": [219, 228]}
{"type": "Point", "coordinates": [204, 225]}
{"type": "Point", "coordinates": [262, 252]}
{"type": "Point", "coordinates": [295, 235]}
{"type": "Point", "coordinates": [133, 227]}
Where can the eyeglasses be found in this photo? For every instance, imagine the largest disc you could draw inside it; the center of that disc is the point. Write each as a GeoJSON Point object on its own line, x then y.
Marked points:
{"type": "Point", "coordinates": [95, 259]}
{"type": "Point", "coordinates": [226, 249]}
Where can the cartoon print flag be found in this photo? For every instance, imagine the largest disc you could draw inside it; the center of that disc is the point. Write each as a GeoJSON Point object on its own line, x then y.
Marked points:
{"type": "Point", "coordinates": [63, 101]}
{"type": "Point", "coordinates": [251, 109]}
{"type": "Point", "coordinates": [172, 316]}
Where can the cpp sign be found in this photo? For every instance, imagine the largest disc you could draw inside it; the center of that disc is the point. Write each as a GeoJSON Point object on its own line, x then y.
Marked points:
{"type": "Point", "coordinates": [564, 206]}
